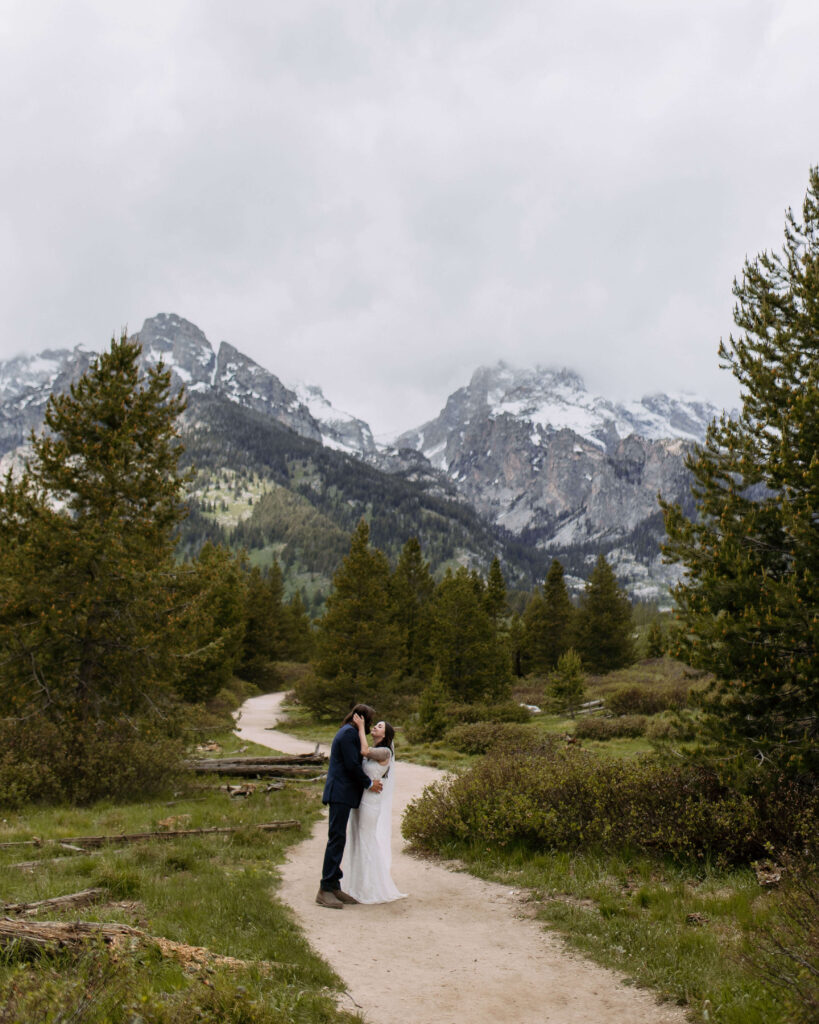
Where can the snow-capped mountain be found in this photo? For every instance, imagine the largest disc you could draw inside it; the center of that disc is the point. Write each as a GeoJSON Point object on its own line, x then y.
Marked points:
{"type": "Point", "coordinates": [339, 430]}
{"type": "Point", "coordinates": [532, 451]}
{"type": "Point", "coordinates": [538, 454]}
{"type": "Point", "coordinates": [551, 400]}
{"type": "Point", "coordinates": [27, 381]}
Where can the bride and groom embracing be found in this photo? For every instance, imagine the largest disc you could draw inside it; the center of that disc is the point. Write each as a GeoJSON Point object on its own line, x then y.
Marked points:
{"type": "Point", "coordinates": [359, 791]}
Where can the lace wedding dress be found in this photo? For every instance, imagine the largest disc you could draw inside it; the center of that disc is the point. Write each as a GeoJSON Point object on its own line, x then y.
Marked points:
{"type": "Point", "coordinates": [368, 854]}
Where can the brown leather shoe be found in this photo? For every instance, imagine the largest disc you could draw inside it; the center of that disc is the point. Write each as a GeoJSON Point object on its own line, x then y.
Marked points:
{"type": "Point", "coordinates": [328, 899]}
{"type": "Point", "coordinates": [344, 897]}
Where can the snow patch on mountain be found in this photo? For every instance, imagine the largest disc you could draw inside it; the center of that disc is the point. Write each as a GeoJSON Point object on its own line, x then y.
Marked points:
{"type": "Point", "coordinates": [339, 430]}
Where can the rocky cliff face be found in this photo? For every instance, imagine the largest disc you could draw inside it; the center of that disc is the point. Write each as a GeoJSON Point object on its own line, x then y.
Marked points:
{"type": "Point", "coordinates": [539, 455]}
{"type": "Point", "coordinates": [27, 381]}
{"type": "Point", "coordinates": [25, 385]}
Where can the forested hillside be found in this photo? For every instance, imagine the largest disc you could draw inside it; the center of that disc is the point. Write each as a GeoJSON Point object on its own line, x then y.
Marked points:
{"type": "Point", "coordinates": [262, 487]}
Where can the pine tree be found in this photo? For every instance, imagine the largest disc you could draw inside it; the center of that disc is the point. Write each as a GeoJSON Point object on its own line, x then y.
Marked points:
{"type": "Point", "coordinates": [413, 587]}
{"type": "Point", "coordinates": [89, 620]}
{"type": "Point", "coordinates": [749, 598]}
{"type": "Point", "coordinates": [655, 641]}
{"type": "Point", "coordinates": [548, 622]}
{"type": "Point", "coordinates": [567, 682]}
{"type": "Point", "coordinates": [262, 641]}
{"type": "Point", "coordinates": [358, 645]}
{"type": "Point", "coordinates": [432, 718]}
{"type": "Point", "coordinates": [516, 640]}
{"type": "Point", "coordinates": [604, 622]}
{"type": "Point", "coordinates": [472, 660]}
{"type": "Point", "coordinates": [212, 621]}
{"type": "Point", "coordinates": [297, 631]}
{"type": "Point", "coordinates": [495, 596]}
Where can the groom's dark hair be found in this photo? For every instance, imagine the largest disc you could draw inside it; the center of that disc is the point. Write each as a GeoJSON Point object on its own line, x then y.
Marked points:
{"type": "Point", "coordinates": [366, 712]}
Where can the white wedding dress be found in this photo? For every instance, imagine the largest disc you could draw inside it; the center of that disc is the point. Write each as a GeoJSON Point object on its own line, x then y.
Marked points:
{"type": "Point", "coordinates": [367, 857]}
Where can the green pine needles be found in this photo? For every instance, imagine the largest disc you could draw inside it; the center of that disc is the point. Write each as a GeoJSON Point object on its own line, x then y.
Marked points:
{"type": "Point", "coordinates": [749, 600]}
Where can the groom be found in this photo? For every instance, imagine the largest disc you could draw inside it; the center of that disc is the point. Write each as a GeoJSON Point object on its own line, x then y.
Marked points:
{"type": "Point", "coordinates": [346, 782]}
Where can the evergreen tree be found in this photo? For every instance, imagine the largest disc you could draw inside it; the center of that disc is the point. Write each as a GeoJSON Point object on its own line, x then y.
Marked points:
{"type": "Point", "coordinates": [297, 631]}
{"type": "Point", "coordinates": [358, 645]}
{"type": "Point", "coordinates": [432, 718]}
{"type": "Point", "coordinates": [495, 594]}
{"type": "Point", "coordinates": [604, 623]}
{"type": "Point", "coordinates": [212, 621]}
{"type": "Point", "coordinates": [262, 641]}
{"type": "Point", "coordinates": [655, 641]}
{"type": "Point", "coordinates": [548, 622]}
{"type": "Point", "coordinates": [567, 683]}
{"type": "Point", "coordinates": [89, 620]}
{"type": "Point", "coordinates": [472, 660]}
{"type": "Point", "coordinates": [749, 598]}
{"type": "Point", "coordinates": [413, 588]}
{"type": "Point", "coordinates": [516, 640]}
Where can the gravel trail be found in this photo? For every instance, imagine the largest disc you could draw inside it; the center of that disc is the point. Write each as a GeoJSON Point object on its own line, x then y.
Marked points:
{"type": "Point", "coordinates": [458, 950]}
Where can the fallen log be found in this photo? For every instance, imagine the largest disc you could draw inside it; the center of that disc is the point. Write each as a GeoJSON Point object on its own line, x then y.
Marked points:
{"type": "Point", "coordinates": [276, 771]}
{"type": "Point", "coordinates": [73, 899]}
{"type": "Point", "coordinates": [135, 837]}
{"type": "Point", "coordinates": [42, 936]}
{"type": "Point", "coordinates": [285, 759]}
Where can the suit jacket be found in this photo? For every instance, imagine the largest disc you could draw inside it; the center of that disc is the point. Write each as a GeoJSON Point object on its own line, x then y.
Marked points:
{"type": "Point", "coordinates": [346, 779]}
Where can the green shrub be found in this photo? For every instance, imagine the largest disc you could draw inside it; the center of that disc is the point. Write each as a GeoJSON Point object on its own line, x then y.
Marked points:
{"type": "Point", "coordinates": [590, 728]}
{"type": "Point", "coordinates": [437, 714]}
{"type": "Point", "coordinates": [642, 700]}
{"type": "Point", "coordinates": [478, 737]}
{"type": "Point", "coordinates": [123, 759]}
{"type": "Point", "coordinates": [556, 798]}
{"type": "Point", "coordinates": [670, 726]}
{"type": "Point", "coordinates": [785, 947]}
{"type": "Point", "coordinates": [506, 711]}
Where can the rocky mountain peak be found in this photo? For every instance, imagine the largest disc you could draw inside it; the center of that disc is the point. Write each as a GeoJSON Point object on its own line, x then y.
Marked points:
{"type": "Point", "coordinates": [179, 344]}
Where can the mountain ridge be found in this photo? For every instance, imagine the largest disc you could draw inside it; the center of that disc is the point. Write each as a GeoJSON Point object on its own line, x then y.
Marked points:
{"type": "Point", "coordinates": [532, 451]}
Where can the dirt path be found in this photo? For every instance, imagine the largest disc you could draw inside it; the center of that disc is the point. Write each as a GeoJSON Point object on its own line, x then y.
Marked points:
{"type": "Point", "coordinates": [457, 950]}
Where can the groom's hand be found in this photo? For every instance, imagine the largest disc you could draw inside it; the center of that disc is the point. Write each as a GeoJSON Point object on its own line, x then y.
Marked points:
{"type": "Point", "coordinates": [376, 785]}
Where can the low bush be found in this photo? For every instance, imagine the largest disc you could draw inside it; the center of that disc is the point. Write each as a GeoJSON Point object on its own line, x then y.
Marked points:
{"type": "Point", "coordinates": [589, 728]}
{"type": "Point", "coordinates": [43, 762]}
{"type": "Point", "coordinates": [478, 737]}
{"type": "Point", "coordinates": [670, 726]}
{"type": "Point", "coordinates": [556, 798]}
{"type": "Point", "coordinates": [506, 711]}
{"type": "Point", "coordinates": [641, 700]}
{"type": "Point", "coordinates": [785, 949]}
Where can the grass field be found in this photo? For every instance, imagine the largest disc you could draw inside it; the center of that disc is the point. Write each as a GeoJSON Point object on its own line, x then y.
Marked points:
{"type": "Point", "coordinates": [217, 892]}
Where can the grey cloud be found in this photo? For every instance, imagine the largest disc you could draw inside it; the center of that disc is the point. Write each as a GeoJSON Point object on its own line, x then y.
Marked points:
{"type": "Point", "coordinates": [376, 197]}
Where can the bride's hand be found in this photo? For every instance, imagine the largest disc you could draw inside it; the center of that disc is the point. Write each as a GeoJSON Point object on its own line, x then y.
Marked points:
{"type": "Point", "coordinates": [358, 722]}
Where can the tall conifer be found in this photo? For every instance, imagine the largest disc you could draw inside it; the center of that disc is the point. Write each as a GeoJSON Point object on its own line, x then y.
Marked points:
{"type": "Point", "coordinates": [749, 600]}
{"type": "Point", "coordinates": [358, 643]}
{"type": "Point", "coordinates": [604, 622]}
{"type": "Point", "coordinates": [89, 626]}
{"type": "Point", "coordinates": [413, 587]}
{"type": "Point", "coordinates": [471, 658]}
{"type": "Point", "coordinates": [548, 622]}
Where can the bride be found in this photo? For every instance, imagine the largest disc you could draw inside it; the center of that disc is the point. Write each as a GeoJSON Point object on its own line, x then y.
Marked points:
{"type": "Point", "coordinates": [368, 853]}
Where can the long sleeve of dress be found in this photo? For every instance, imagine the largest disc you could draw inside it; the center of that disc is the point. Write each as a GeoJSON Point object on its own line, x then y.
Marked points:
{"type": "Point", "coordinates": [379, 753]}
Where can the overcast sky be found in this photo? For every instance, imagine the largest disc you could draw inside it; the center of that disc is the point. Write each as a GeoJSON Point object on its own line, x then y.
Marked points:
{"type": "Point", "coordinates": [378, 196]}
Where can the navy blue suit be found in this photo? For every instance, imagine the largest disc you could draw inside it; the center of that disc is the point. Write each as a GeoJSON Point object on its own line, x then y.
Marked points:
{"type": "Point", "coordinates": [346, 782]}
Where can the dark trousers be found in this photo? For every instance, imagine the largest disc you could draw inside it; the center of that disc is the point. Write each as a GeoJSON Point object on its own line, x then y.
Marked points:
{"type": "Point", "coordinates": [336, 841]}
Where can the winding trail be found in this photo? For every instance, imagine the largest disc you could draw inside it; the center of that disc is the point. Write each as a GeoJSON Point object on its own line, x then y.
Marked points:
{"type": "Point", "coordinates": [458, 950]}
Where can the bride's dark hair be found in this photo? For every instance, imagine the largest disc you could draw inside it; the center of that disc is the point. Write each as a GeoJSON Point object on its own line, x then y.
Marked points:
{"type": "Point", "coordinates": [389, 736]}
